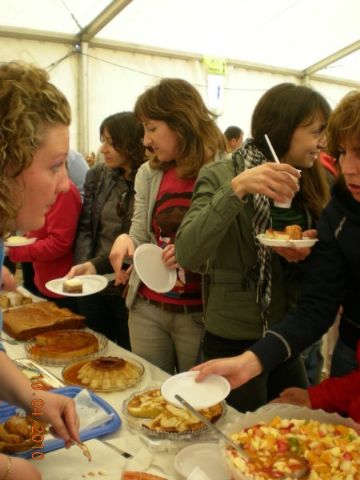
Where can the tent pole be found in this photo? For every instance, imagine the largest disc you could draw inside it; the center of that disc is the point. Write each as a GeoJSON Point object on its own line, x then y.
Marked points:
{"type": "Point", "coordinates": [83, 99]}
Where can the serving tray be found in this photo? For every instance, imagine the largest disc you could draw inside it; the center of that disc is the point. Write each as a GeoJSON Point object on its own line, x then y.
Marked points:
{"type": "Point", "coordinates": [51, 444]}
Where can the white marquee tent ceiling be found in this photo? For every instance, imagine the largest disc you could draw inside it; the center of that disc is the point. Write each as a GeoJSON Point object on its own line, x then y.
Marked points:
{"type": "Point", "coordinates": [104, 53]}
{"type": "Point", "coordinates": [308, 36]}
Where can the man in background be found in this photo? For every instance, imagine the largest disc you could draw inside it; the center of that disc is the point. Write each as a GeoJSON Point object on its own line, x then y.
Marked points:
{"type": "Point", "coordinates": [234, 137]}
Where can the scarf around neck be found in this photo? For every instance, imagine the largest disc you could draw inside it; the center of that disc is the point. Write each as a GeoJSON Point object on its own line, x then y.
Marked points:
{"type": "Point", "coordinates": [250, 156]}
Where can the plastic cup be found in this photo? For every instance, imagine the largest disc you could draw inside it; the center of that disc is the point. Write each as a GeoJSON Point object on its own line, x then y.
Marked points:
{"type": "Point", "coordinates": [287, 203]}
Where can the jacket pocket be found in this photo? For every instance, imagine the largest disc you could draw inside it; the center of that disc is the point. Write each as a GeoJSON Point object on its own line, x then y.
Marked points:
{"type": "Point", "coordinates": [232, 313]}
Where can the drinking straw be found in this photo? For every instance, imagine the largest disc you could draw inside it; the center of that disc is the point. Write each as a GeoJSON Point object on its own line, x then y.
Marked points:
{"type": "Point", "coordinates": [271, 148]}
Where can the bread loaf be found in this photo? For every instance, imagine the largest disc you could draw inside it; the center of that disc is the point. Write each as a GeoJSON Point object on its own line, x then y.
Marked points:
{"type": "Point", "coordinates": [25, 322]}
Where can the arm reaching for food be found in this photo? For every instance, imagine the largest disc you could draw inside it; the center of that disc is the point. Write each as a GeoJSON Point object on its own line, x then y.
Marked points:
{"type": "Point", "coordinates": [295, 396]}
{"type": "Point", "coordinates": [237, 370]}
{"type": "Point", "coordinates": [57, 410]}
{"type": "Point", "coordinates": [122, 247]}
{"type": "Point", "coordinates": [8, 280]}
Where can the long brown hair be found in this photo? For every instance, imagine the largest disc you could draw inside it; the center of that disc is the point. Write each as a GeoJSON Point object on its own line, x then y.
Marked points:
{"type": "Point", "coordinates": [29, 103]}
{"type": "Point", "coordinates": [180, 106]}
{"type": "Point", "coordinates": [279, 112]}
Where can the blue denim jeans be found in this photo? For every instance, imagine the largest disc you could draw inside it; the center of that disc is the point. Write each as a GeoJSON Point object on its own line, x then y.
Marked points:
{"type": "Point", "coordinates": [343, 360]}
{"type": "Point", "coordinates": [171, 341]}
{"type": "Point", "coordinates": [313, 361]}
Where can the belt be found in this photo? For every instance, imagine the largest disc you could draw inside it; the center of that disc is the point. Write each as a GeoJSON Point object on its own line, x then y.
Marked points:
{"type": "Point", "coordinates": [173, 307]}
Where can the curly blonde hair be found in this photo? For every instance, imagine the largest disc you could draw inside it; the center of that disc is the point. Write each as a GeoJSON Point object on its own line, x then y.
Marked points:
{"type": "Point", "coordinates": [29, 103]}
{"type": "Point", "coordinates": [177, 103]}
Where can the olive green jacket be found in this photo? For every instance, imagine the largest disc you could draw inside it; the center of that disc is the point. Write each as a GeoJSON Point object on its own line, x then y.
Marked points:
{"type": "Point", "coordinates": [216, 239]}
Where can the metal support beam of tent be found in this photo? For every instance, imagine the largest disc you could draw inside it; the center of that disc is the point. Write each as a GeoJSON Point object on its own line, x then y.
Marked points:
{"type": "Point", "coordinates": [110, 12]}
{"type": "Point", "coordinates": [325, 62]}
{"type": "Point", "coordinates": [85, 39]}
{"type": "Point", "coordinates": [37, 35]}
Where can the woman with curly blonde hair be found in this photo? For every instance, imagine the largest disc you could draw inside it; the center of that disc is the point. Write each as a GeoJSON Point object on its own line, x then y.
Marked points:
{"type": "Point", "coordinates": [34, 143]}
{"type": "Point", "coordinates": [167, 328]}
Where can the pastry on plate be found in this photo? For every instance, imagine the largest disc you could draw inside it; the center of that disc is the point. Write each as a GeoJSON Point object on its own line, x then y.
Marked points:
{"type": "Point", "coordinates": [164, 417]}
{"type": "Point", "coordinates": [15, 240]}
{"type": "Point", "coordinates": [72, 285]}
{"type": "Point", "coordinates": [175, 419]}
{"type": "Point", "coordinates": [291, 232]}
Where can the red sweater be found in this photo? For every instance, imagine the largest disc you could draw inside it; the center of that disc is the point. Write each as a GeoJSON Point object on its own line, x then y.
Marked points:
{"type": "Point", "coordinates": [52, 253]}
{"type": "Point", "coordinates": [339, 394]}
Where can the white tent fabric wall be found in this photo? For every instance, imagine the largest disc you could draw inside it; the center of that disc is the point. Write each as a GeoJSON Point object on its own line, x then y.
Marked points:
{"type": "Point", "coordinates": [302, 35]}
{"type": "Point", "coordinates": [64, 75]}
{"type": "Point", "coordinates": [116, 78]}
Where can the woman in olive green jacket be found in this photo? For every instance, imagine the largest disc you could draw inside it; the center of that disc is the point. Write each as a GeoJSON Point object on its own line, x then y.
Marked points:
{"type": "Point", "coordinates": [249, 286]}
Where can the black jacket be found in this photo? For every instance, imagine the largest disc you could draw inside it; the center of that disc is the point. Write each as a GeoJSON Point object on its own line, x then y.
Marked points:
{"type": "Point", "coordinates": [331, 279]}
{"type": "Point", "coordinates": [99, 183]}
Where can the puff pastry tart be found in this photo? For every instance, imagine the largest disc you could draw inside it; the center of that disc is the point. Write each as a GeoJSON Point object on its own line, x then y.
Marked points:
{"type": "Point", "coordinates": [291, 232]}
{"type": "Point", "coordinates": [166, 418]}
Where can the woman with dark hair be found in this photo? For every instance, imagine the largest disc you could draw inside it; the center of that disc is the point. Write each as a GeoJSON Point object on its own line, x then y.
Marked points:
{"type": "Point", "coordinates": [332, 279]}
{"type": "Point", "coordinates": [107, 211]}
{"type": "Point", "coordinates": [167, 328]}
{"type": "Point", "coordinates": [249, 286]}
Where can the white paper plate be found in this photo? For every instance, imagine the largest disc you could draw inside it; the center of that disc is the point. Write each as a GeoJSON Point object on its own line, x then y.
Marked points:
{"type": "Point", "coordinates": [18, 241]}
{"type": "Point", "coordinates": [273, 242]}
{"type": "Point", "coordinates": [206, 393]}
{"type": "Point", "coordinates": [207, 456]}
{"type": "Point", "coordinates": [91, 284]}
{"type": "Point", "coordinates": [151, 269]}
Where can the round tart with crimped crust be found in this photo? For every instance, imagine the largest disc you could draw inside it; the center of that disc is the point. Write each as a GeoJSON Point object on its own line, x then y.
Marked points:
{"type": "Point", "coordinates": [61, 347]}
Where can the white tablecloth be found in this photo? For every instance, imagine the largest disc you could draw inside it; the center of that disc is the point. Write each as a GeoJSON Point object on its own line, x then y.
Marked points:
{"type": "Point", "coordinates": [155, 457]}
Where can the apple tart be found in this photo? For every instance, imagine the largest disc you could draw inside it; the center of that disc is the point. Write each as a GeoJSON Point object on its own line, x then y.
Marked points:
{"type": "Point", "coordinates": [153, 415]}
{"type": "Point", "coordinates": [104, 373]}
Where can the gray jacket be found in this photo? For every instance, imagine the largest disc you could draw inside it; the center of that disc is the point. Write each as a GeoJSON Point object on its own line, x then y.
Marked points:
{"type": "Point", "coordinates": [147, 184]}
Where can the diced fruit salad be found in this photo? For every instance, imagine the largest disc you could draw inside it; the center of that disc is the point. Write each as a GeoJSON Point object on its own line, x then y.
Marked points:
{"type": "Point", "coordinates": [274, 448]}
